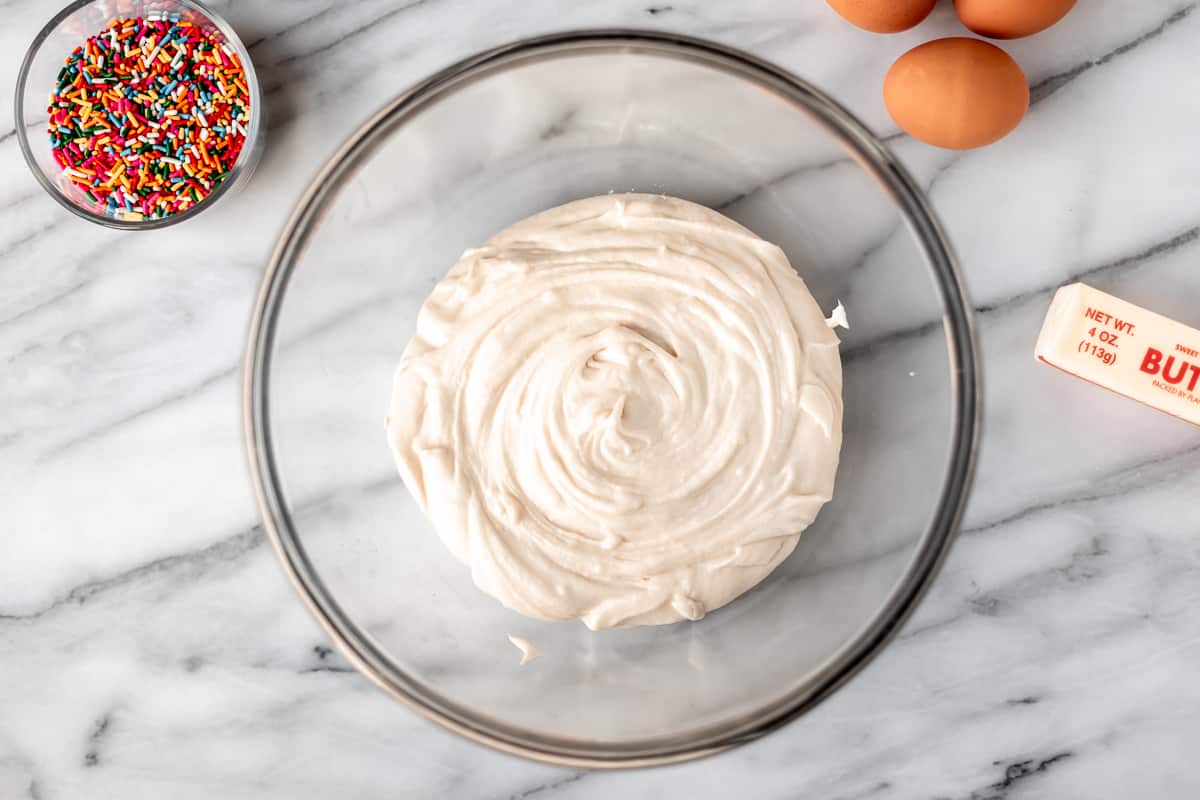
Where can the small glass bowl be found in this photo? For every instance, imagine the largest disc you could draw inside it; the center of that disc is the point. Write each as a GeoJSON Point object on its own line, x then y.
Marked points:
{"type": "Point", "coordinates": [519, 129]}
{"type": "Point", "coordinates": [46, 56]}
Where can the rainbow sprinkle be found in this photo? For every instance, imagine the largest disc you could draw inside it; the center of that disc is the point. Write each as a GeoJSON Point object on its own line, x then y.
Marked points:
{"type": "Point", "coordinates": [149, 116]}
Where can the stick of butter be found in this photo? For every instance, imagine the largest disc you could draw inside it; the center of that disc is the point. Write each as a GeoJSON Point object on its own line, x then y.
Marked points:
{"type": "Point", "coordinates": [1125, 348]}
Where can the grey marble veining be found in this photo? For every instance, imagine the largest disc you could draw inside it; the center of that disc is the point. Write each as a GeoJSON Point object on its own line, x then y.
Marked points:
{"type": "Point", "coordinates": [151, 648]}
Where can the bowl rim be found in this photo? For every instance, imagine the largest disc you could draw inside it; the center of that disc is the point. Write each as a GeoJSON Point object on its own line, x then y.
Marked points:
{"type": "Point", "coordinates": [872, 155]}
{"type": "Point", "coordinates": [247, 158]}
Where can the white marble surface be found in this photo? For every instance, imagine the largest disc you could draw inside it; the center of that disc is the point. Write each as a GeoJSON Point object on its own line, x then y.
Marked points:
{"type": "Point", "coordinates": [149, 646]}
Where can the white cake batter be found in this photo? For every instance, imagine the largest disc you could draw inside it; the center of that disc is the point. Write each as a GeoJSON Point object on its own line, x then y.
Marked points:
{"type": "Point", "coordinates": [623, 410]}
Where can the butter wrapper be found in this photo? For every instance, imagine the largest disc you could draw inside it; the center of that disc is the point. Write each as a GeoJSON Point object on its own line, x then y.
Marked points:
{"type": "Point", "coordinates": [1124, 348]}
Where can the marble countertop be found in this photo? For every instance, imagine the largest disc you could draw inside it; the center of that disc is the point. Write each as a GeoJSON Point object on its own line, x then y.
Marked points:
{"type": "Point", "coordinates": [151, 648]}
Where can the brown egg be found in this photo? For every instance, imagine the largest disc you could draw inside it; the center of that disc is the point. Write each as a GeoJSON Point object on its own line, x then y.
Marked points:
{"type": "Point", "coordinates": [1011, 19]}
{"type": "Point", "coordinates": [883, 16]}
{"type": "Point", "coordinates": [956, 93]}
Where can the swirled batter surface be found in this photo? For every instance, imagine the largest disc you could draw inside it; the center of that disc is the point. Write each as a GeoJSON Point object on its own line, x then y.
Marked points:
{"type": "Point", "coordinates": [623, 410]}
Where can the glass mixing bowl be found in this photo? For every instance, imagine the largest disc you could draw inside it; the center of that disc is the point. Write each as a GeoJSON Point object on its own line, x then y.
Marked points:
{"type": "Point", "coordinates": [492, 140]}
{"type": "Point", "coordinates": [38, 77]}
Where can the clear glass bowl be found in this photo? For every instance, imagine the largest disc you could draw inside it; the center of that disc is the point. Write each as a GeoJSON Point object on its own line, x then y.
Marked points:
{"type": "Point", "coordinates": [492, 140]}
{"type": "Point", "coordinates": [38, 77]}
